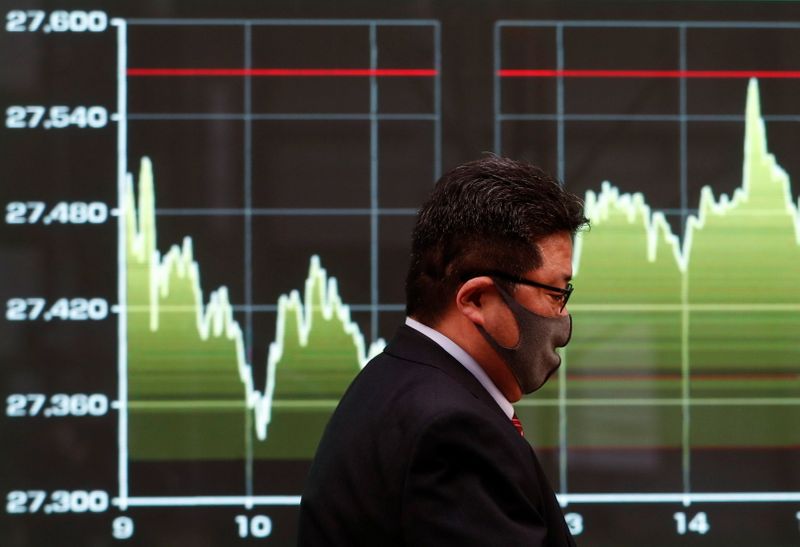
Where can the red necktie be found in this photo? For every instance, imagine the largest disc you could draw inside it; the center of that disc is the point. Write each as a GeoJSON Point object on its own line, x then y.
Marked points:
{"type": "Point", "coordinates": [517, 424]}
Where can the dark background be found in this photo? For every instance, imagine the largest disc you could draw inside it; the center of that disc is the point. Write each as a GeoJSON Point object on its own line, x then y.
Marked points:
{"type": "Point", "coordinates": [199, 164]}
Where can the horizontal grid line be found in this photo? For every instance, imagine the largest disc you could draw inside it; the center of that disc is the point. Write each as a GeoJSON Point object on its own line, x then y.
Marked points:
{"type": "Point", "coordinates": [195, 501]}
{"type": "Point", "coordinates": [353, 307]}
{"type": "Point", "coordinates": [564, 499]}
{"type": "Point", "coordinates": [678, 307]}
{"type": "Point", "coordinates": [280, 116]}
{"type": "Point", "coordinates": [288, 211]}
{"type": "Point", "coordinates": [644, 117]}
{"type": "Point", "coordinates": [687, 498]}
{"type": "Point", "coordinates": [138, 21]}
{"type": "Point", "coordinates": [271, 308]}
{"type": "Point", "coordinates": [281, 72]}
{"type": "Point", "coordinates": [663, 401]}
{"type": "Point", "coordinates": [595, 23]}
{"type": "Point", "coordinates": [576, 402]}
{"type": "Point", "coordinates": [572, 307]}
{"type": "Point", "coordinates": [324, 404]}
{"type": "Point", "coordinates": [300, 211]}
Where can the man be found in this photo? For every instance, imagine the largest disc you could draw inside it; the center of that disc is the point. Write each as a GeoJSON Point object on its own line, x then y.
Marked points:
{"type": "Point", "coordinates": [424, 447]}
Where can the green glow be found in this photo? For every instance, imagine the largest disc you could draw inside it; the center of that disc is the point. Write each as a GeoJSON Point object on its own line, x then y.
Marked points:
{"type": "Point", "coordinates": [716, 317]}
{"type": "Point", "coordinates": [677, 344]}
{"type": "Point", "coordinates": [191, 392]}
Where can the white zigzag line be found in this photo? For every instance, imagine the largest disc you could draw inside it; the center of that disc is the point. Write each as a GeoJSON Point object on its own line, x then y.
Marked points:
{"type": "Point", "coordinates": [599, 207]}
{"type": "Point", "coordinates": [216, 318]}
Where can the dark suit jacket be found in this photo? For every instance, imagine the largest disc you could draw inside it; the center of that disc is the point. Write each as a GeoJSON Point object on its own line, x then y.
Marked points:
{"type": "Point", "coordinates": [418, 453]}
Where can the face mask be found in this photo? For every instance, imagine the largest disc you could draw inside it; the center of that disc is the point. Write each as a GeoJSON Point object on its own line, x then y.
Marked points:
{"type": "Point", "coordinates": [534, 358]}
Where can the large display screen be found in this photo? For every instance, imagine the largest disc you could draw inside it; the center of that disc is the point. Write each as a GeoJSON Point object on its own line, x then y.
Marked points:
{"type": "Point", "coordinates": [207, 218]}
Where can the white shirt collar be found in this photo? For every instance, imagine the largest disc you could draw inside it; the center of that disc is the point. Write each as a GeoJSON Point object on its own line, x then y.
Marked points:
{"type": "Point", "coordinates": [466, 360]}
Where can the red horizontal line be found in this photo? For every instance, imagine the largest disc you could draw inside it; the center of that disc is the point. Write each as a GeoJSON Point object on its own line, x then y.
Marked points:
{"type": "Point", "coordinates": [284, 72]}
{"type": "Point", "coordinates": [575, 73]}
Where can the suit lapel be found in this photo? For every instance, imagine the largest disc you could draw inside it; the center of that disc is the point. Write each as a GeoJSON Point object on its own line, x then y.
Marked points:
{"type": "Point", "coordinates": [412, 345]}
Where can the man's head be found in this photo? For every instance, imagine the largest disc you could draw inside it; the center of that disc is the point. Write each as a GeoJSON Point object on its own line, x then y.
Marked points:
{"type": "Point", "coordinates": [491, 215]}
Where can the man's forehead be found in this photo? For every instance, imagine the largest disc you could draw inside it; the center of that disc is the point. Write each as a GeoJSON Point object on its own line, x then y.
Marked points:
{"type": "Point", "coordinates": [555, 252]}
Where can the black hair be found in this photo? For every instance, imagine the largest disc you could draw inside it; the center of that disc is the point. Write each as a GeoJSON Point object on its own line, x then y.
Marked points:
{"type": "Point", "coordinates": [487, 214]}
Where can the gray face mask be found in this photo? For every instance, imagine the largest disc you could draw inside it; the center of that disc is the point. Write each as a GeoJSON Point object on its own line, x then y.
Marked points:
{"type": "Point", "coordinates": [534, 358]}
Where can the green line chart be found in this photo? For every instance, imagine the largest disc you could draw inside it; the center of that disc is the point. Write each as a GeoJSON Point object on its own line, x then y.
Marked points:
{"type": "Point", "coordinates": [684, 324]}
{"type": "Point", "coordinates": [191, 391]}
{"type": "Point", "coordinates": [699, 334]}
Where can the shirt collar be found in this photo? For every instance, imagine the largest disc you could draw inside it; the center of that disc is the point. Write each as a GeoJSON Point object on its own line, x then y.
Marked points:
{"type": "Point", "coordinates": [466, 360]}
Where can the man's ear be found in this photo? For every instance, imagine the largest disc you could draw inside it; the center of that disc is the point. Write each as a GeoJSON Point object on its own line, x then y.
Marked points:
{"type": "Point", "coordinates": [471, 298]}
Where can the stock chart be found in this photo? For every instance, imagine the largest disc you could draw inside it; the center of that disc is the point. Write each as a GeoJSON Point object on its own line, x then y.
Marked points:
{"type": "Point", "coordinates": [207, 226]}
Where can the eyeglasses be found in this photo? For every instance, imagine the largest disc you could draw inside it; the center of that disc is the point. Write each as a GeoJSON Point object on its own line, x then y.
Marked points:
{"type": "Point", "coordinates": [564, 293]}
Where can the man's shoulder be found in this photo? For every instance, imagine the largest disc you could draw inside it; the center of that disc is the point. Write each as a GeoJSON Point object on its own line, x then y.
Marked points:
{"type": "Point", "coordinates": [415, 384]}
{"type": "Point", "coordinates": [411, 386]}
{"type": "Point", "coordinates": [411, 354]}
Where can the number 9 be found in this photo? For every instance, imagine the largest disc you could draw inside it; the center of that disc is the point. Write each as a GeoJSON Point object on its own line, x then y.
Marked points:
{"type": "Point", "coordinates": [122, 528]}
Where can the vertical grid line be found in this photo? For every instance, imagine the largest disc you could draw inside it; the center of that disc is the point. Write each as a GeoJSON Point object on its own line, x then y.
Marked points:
{"type": "Point", "coordinates": [562, 371]}
{"type": "Point", "coordinates": [560, 102]}
{"type": "Point", "coordinates": [437, 98]}
{"type": "Point", "coordinates": [685, 407]}
{"type": "Point", "coordinates": [685, 438]}
{"type": "Point", "coordinates": [248, 245]}
{"type": "Point", "coordinates": [122, 261]}
{"type": "Point", "coordinates": [497, 99]}
{"type": "Point", "coordinates": [684, 150]}
{"type": "Point", "coordinates": [373, 176]}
